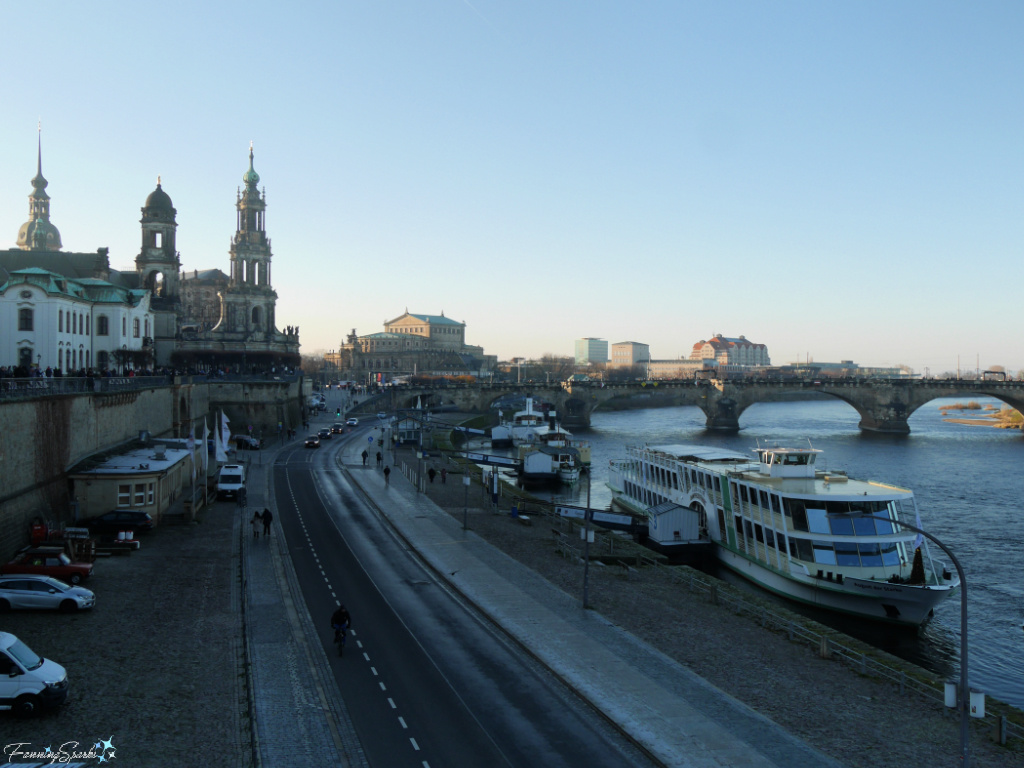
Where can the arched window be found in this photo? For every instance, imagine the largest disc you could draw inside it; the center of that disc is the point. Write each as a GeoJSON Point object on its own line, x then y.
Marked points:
{"type": "Point", "coordinates": [256, 317]}
{"type": "Point", "coordinates": [60, 321]}
{"type": "Point", "coordinates": [124, 326]}
{"type": "Point", "coordinates": [147, 328]}
{"type": "Point", "coordinates": [25, 320]}
{"type": "Point", "coordinates": [102, 326]}
{"type": "Point", "coordinates": [136, 332]}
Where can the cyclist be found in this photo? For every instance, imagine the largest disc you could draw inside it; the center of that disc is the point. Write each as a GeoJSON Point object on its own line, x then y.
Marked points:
{"type": "Point", "coordinates": [341, 621]}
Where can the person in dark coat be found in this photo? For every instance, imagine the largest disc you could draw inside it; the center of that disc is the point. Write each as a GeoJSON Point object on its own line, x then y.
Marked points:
{"type": "Point", "coordinates": [267, 520]}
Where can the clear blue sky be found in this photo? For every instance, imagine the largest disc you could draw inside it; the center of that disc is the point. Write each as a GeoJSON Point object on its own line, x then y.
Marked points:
{"type": "Point", "coordinates": [838, 180]}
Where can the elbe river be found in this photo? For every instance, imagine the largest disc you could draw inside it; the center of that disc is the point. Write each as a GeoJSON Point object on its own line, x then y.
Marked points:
{"type": "Point", "coordinates": [969, 490]}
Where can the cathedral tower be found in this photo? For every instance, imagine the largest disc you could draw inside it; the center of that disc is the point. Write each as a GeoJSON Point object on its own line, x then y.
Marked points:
{"type": "Point", "coordinates": [250, 299]}
{"type": "Point", "coordinates": [158, 263]}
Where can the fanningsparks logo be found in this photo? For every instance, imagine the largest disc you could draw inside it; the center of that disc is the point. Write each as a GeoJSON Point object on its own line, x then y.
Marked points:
{"type": "Point", "coordinates": [22, 752]}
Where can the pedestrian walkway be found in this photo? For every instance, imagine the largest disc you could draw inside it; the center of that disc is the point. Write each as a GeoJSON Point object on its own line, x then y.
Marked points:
{"type": "Point", "coordinates": [297, 712]}
{"type": "Point", "coordinates": [676, 716]}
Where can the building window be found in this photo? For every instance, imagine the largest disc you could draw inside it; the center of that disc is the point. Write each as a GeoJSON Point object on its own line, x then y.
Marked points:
{"type": "Point", "coordinates": [60, 321]}
{"type": "Point", "coordinates": [24, 319]}
{"type": "Point", "coordinates": [135, 328]}
{"type": "Point", "coordinates": [149, 493]}
{"type": "Point", "coordinates": [102, 326]}
{"type": "Point", "coordinates": [124, 326]}
{"type": "Point", "coordinates": [124, 495]}
{"type": "Point", "coordinates": [140, 494]}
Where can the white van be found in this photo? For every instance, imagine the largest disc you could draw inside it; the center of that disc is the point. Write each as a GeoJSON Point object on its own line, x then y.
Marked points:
{"type": "Point", "coordinates": [230, 481]}
{"type": "Point", "coordinates": [28, 682]}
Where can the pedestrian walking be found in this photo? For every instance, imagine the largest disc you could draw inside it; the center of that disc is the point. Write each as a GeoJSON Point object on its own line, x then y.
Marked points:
{"type": "Point", "coordinates": [444, 475]}
{"type": "Point", "coordinates": [431, 473]}
{"type": "Point", "coordinates": [380, 458]}
{"type": "Point", "coordinates": [256, 523]}
{"type": "Point", "coordinates": [365, 457]}
{"type": "Point", "coordinates": [267, 520]}
{"type": "Point", "coordinates": [387, 475]}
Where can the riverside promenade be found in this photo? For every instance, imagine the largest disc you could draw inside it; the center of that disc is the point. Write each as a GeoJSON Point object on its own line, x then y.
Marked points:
{"type": "Point", "coordinates": [299, 717]}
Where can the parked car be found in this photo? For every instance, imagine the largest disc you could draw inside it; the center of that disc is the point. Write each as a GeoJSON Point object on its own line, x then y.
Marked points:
{"type": "Point", "coordinates": [28, 682]}
{"type": "Point", "coordinates": [120, 520]}
{"type": "Point", "coordinates": [313, 441]}
{"type": "Point", "coordinates": [49, 561]}
{"type": "Point", "coordinates": [247, 443]}
{"type": "Point", "coordinates": [381, 415]}
{"type": "Point", "coordinates": [353, 422]}
{"type": "Point", "coordinates": [32, 590]}
{"type": "Point", "coordinates": [337, 429]}
{"type": "Point", "coordinates": [325, 434]}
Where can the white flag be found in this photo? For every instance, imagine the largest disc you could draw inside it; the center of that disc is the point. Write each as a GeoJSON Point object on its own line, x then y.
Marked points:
{"type": "Point", "coordinates": [225, 432]}
{"type": "Point", "coordinates": [221, 455]}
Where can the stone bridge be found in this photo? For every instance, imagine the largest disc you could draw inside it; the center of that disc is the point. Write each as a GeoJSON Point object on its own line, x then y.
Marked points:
{"type": "Point", "coordinates": [884, 405]}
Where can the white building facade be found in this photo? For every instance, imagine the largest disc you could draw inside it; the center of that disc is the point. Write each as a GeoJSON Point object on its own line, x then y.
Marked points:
{"type": "Point", "coordinates": [70, 324]}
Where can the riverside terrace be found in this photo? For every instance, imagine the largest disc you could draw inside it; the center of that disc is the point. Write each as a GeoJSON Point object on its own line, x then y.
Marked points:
{"type": "Point", "coordinates": [884, 405]}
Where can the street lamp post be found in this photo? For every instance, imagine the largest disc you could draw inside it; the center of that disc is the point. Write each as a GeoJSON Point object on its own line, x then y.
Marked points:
{"type": "Point", "coordinates": [466, 479]}
{"type": "Point", "coordinates": [586, 548]}
{"type": "Point", "coordinates": [965, 691]}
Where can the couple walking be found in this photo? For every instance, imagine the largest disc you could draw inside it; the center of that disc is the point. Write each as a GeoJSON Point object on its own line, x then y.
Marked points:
{"type": "Point", "coordinates": [259, 521]}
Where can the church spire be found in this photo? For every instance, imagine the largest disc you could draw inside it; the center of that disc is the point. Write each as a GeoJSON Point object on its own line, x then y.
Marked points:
{"type": "Point", "coordinates": [39, 210]}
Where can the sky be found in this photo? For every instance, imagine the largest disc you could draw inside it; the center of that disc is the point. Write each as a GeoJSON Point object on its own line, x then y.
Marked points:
{"type": "Point", "coordinates": [835, 180]}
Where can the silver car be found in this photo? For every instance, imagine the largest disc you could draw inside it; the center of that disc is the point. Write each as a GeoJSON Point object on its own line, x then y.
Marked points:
{"type": "Point", "coordinates": [35, 591]}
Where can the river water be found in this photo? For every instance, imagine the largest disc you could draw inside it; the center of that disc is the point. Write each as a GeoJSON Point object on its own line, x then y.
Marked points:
{"type": "Point", "coordinates": [967, 480]}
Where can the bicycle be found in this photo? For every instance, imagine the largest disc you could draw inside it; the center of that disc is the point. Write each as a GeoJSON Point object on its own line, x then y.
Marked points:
{"type": "Point", "coordinates": [340, 633]}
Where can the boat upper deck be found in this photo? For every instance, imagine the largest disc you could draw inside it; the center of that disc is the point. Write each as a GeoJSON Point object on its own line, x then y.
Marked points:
{"type": "Point", "coordinates": [812, 482]}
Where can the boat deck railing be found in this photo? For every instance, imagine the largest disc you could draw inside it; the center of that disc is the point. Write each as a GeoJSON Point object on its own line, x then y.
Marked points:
{"type": "Point", "coordinates": [908, 681]}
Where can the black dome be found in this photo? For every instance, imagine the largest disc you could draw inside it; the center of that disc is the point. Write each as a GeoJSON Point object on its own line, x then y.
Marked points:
{"type": "Point", "coordinates": [159, 199]}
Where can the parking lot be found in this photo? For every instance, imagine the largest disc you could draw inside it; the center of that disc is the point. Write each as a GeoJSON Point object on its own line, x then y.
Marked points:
{"type": "Point", "coordinates": [156, 666]}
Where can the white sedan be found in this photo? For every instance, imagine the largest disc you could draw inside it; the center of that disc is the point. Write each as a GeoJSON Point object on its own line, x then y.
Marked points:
{"type": "Point", "coordinates": [353, 422]}
{"type": "Point", "coordinates": [33, 590]}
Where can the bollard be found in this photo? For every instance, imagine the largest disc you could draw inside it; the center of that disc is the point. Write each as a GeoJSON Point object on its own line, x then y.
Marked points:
{"type": "Point", "coordinates": [824, 651]}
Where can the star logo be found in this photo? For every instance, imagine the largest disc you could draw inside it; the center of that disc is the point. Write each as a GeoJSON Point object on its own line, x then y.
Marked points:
{"type": "Point", "coordinates": [106, 749]}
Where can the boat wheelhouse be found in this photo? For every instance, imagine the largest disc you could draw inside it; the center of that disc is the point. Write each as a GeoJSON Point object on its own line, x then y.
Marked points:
{"type": "Point", "coordinates": [780, 521]}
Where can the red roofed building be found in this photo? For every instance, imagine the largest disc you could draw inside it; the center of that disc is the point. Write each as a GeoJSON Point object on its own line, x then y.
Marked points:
{"type": "Point", "coordinates": [726, 351]}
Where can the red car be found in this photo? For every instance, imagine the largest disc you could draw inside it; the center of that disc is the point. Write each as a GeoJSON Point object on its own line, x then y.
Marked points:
{"type": "Point", "coordinates": [50, 561]}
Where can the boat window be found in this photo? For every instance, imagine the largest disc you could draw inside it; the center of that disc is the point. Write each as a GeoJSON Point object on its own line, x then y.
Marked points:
{"type": "Point", "coordinates": [817, 521]}
{"type": "Point", "coordinates": [675, 481]}
{"type": "Point", "coordinates": [782, 542]}
{"type": "Point", "coordinates": [743, 494]}
{"type": "Point", "coordinates": [764, 499]}
{"type": "Point", "coordinates": [748, 529]}
{"type": "Point", "coordinates": [759, 533]}
{"type": "Point", "coordinates": [842, 526]}
{"type": "Point", "coordinates": [870, 554]}
{"type": "Point", "coordinates": [823, 553]}
{"type": "Point", "coordinates": [718, 483]}
{"type": "Point", "coordinates": [837, 507]}
{"type": "Point", "coordinates": [799, 517]}
{"type": "Point", "coordinates": [864, 526]}
{"type": "Point", "coordinates": [769, 537]}
{"type": "Point", "coordinates": [846, 553]}
{"type": "Point", "coordinates": [775, 502]}
{"type": "Point", "coordinates": [795, 459]}
{"type": "Point", "coordinates": [739, 525]}
{"type": "Point", "coordinates": [801, 549]}
{"type": "Point", "coordinates": [884, 526]}
{"type": "Point", "coordinates": [890, 554]}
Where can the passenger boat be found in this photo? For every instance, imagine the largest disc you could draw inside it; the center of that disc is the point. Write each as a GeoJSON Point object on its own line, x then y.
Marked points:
{"type": "Point", "coordinates": [550, 466]}
{"type": "Point", "coordinates": [518, 429]}
{"type": "Point", "coordinates": [788, 526]}
{"type": "Point", "coordinates": [554, 437]}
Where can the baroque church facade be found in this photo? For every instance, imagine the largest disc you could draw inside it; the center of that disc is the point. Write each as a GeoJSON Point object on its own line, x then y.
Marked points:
{"type": "Point", "coordinates": [200, 319]}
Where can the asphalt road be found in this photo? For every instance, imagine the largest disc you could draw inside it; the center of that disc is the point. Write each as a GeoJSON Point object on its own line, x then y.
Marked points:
{"type": "Point", "coordinates": [427, 682]}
